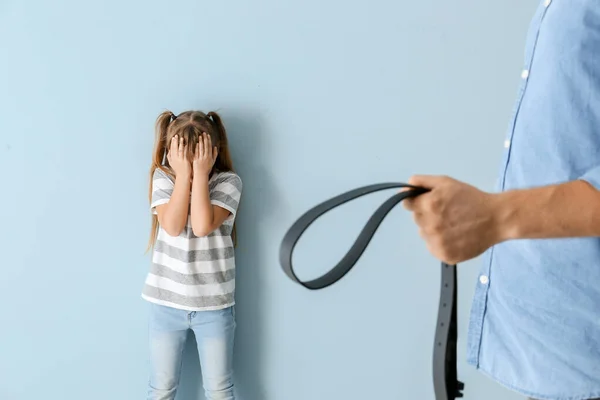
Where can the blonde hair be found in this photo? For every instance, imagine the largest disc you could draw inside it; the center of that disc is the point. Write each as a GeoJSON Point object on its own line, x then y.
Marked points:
{"type": "Point", "coordinates": [188, 125]}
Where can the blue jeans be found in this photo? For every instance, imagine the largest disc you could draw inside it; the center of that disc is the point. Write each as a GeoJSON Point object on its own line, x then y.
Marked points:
{"type": "Point", "coordinates": [214, 332]}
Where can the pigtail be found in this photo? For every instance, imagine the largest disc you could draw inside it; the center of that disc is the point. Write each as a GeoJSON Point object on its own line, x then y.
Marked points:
{"type": "Point", "coordinates": [158, 156]}
{"type": "Point", "coordinates": [223, 162]}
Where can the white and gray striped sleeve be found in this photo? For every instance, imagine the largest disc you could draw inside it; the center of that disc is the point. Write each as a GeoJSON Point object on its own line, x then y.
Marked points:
{"type": "Point", "coordinates": [162, 189]}
{"type": "Point", "coordinates": [226, 192]}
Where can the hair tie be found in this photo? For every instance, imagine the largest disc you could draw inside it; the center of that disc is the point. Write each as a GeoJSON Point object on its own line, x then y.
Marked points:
{"type": "Point", "coordinates": [173, 117]}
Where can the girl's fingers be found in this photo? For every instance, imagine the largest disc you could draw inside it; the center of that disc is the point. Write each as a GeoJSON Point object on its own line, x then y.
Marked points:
{"type": "Point", "coordinates": [173, 146]}
{"type": "Point", "coordinates": [199, 148]}
{"type": "Point", "coordinates": [208, 146]}
{"type": "Point", "coordinates": [205, 148]}
{"type": "Point", "coordinates": [197, 152]}
{"type": "Point", "coordinates": [201, 142]}
{"type": "Point", "coordinates": [181, 147]}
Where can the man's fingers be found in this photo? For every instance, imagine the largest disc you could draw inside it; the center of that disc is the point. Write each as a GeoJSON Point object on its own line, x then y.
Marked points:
{"type": "Point", "coordinates": [418, 218]}
{"type": "Point", "coordinates": [426, 181]}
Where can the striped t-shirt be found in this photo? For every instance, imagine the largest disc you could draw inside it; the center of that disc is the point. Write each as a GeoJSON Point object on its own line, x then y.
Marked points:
{"type": "Point", "coordinates": [190, 272]}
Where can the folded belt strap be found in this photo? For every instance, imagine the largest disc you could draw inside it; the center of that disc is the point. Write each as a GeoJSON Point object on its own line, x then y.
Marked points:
{"type": "Point", "coordinates": [445, 382]}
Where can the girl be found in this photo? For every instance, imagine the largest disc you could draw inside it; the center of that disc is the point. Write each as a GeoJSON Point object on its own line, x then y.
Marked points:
{"type": "Point", "coordinates": [194, 197]}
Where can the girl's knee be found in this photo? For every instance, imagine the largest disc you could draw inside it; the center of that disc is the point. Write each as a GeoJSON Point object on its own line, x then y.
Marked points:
{"type": "Point", "coordinates": [219, 388]}
{"type": "Point", "coordinates": [162, 387]}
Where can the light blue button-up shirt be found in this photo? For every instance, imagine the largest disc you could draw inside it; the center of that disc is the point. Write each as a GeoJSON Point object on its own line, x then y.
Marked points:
{"type": "Point", "coordinates": [535, 319]}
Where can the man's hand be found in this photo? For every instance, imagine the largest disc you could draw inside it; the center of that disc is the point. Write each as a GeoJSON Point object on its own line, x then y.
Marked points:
{"type": "Point", "coordinates": [204, 156]}
{"type": "Point", "coordinates": [458, 221]}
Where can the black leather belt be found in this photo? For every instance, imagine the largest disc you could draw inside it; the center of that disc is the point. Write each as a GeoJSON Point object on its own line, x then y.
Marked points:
{"type": "Point", "coordinates": [445, 382]}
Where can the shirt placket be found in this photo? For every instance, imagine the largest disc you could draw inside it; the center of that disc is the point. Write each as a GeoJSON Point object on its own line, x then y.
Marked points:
{"type": "Point", "coordinates": [483, 285]}
{"type": "Point", "coordinates": [525, 75]}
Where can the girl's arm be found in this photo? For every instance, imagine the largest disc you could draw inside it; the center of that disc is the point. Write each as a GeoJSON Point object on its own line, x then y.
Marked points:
{"type": "Point", "coordinates": [205, 217]}
{"type": "Point", "coordinates": [172, 216]}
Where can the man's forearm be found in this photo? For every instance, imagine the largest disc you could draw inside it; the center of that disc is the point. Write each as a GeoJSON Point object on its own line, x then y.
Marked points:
{"type": "Point", "coordinates": [201, 208]}
{"type": "Point", "coordinates": [559, 211]}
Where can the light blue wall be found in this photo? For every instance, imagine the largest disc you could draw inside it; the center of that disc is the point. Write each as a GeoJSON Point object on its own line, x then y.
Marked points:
{"type": "Point", "coordinates": [319, 97]}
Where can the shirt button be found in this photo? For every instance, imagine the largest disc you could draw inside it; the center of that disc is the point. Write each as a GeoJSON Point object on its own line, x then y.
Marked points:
{"type": "Point", "coordinates": [547, 3]}
{"type": "Point", "coordinates": [484, 279]}
{"type": "Point", "coordinates": [525, 74]}
{"type": "Point", "coordinates": [507, 144]}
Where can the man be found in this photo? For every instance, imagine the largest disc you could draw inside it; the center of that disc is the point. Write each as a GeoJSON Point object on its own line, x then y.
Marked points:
{"type": "Point", "coordinates": [535, 319]}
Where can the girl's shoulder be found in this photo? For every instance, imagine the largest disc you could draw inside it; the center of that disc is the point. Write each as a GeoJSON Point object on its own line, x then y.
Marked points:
{"type": "Point", "coordinates": [159, 173]}
{"type": "Point", "coordinates": [227, 177]}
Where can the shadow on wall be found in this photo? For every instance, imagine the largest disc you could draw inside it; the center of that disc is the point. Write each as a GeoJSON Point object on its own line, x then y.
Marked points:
{"type": "Point", "coordinates": [258, 197]}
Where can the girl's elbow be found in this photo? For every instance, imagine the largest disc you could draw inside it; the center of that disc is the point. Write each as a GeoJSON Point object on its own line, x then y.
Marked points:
{"type": "Point", "coordinates": [202, 231]}
{"type": "Point", "coordinates": [174, 230]}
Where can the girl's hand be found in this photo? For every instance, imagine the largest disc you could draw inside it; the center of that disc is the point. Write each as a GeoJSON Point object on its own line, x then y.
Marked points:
{"type": "Point", "coordinates": [205, 155]}
{"type": "Point", "coordinates": [178, 158]}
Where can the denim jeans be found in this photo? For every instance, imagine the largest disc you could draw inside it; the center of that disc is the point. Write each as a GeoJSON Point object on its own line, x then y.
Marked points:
{"type": "Point", "coordinates": [214, 332]}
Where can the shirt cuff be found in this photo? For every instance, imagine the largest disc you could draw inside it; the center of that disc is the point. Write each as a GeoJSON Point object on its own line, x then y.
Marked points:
{"type": "Point", "coordinates": [225, 206]}
{"type": "Point", "coordinates": [592, 176]}
{"type": "Point", "coordinates": [156, 204]}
